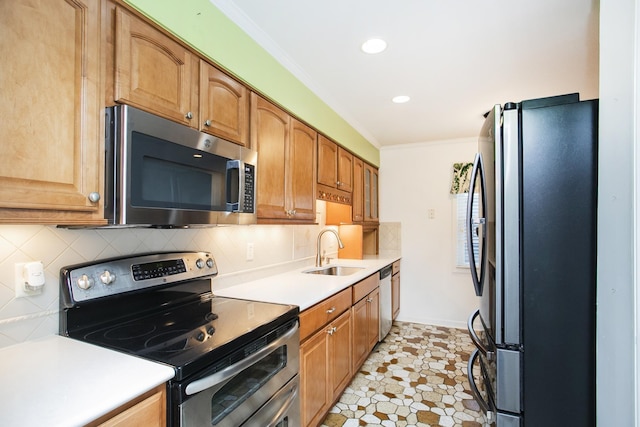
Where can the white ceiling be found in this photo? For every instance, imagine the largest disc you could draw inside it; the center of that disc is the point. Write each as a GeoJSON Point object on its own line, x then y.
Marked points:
{"type": "Point", "coordinates": [454, 58]}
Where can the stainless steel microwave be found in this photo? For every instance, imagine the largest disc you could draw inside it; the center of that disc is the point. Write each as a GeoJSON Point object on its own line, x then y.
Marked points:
{"type": "Point", "coordinates": [165, 174]}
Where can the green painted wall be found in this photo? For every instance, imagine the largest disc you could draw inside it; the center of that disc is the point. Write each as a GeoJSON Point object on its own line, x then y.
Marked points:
{"type": "Point", "coordinates": [200, 24]}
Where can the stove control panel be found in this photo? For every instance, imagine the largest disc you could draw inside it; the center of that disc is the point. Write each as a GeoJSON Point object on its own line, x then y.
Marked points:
{"type": "Point", "coordinates": [113, 276]}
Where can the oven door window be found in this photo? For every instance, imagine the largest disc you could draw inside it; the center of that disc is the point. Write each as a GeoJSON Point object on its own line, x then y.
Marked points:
{"type": "Point", "coordinates": [168, 175]}
{"type": "Point", "coordinates": [246, 383]}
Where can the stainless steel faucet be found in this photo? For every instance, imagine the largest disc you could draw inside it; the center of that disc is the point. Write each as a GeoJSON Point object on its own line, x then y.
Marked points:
{"type": "Point", "coordinates": [319, 249]}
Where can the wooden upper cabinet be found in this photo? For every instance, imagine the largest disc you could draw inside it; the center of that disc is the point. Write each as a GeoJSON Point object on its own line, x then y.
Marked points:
{"type": "Point", "coordinates": [269, 136]}
{"type": "Point", "coordinates": [327, 162]}
{"type": "Point", "coordinates": [286, 164]}
{"type": "Point", "coordinates": [152, 71]}
{"type": "Point", "coordinates": [52, 129]}
{"type": "Point", "coordinates": [370, 193]}
{"type": "Point", "coordinates": [335, 165]}
{"type": "Point", "coordinates": [345, 170]}
{"type": "Point", "coordinates": [358, 190]}
{"type": "Point", "coordinates": [302, 171]}
{"type": "Point", "coordinates": [224, 105]}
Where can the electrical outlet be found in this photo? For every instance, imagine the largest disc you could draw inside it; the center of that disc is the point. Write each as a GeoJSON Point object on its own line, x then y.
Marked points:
{"type": "Point", "coordinates": [249, 251]}
{"type": "Point", "coordinates": [29, 278]}
{"type": "Point", "coordinates": [431, 213]}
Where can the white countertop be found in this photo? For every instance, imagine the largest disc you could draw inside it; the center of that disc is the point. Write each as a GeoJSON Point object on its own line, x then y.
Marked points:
{"type": "Point", "coordinates": [58, 381]}
{"type": "Point", "coordinates": [305, 290]}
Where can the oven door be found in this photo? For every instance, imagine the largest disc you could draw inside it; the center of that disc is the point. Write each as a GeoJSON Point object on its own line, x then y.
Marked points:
{"type": "Point", "coordinates": [261, 381]}
{"type": "Point", "coordinates": [282, 410]}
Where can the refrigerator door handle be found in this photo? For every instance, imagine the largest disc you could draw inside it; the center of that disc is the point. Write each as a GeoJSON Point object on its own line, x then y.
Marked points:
{"type": "Point", "coordinates": [484, 405]}
{"type": "Point", "coordinates": [478, 280]}
{"type": "Point", "coordinates": [490, 355]}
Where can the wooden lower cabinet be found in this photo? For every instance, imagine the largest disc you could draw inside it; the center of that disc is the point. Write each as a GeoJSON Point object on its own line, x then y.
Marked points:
{"type": "Point", "coordinates": [366, 318]}
{"type": "Point", "coordinates": [395, 290]}
{"type": "Point", "coordinates": [325, 368]}
{"type": "Point", "coordinates": [148, 410]}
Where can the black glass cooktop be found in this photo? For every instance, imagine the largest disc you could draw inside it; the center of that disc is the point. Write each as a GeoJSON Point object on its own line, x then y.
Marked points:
{"type": "Point", "coordinates": [184, 326]}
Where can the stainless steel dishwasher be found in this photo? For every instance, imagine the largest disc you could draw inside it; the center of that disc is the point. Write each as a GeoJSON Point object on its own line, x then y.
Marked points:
{"type": "Point", "coordinates": [385, 302]}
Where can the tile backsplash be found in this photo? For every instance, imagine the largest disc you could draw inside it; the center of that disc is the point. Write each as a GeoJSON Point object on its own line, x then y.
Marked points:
{"type": "Point", "coordinates": [31, 317]}
{"type": "Point", "coordinates": [389, 236]}
{"type": "Point", "coordinates": [276, 247]}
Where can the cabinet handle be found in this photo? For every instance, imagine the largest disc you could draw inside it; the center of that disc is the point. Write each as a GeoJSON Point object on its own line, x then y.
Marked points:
{"type": "Point", "coordinates": [189, 115]}
{"type": "Point", "coordinates": [331, 310]}
{"type": "Point", "coordinates": [94, 197]}
{"type": "Point", "coordinates": [332, 331]}
{"type": "Point", "coordinates": [207, 123]}
{"type": "Point", "coordinates": [369, 299]}
{"type": "Point", "coordinates": [338, 183]}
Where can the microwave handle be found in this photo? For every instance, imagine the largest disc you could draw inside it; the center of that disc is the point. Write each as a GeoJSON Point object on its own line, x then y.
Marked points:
{"type": "Point", "coordinates": [235, 185]}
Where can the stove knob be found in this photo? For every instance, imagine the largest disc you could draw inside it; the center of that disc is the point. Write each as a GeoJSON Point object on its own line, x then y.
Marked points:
{"type": "Point", "coordinates": [107, 277]}
{"type": "Point", "coordinates": [210, 262]}
{"type": "Point", "coordinates": [200, 336]}
{"type": "Point", "coordinates": [211, 330]}
{"type": "Point", "coordinates": [84, 282]}
{"type": "Point", "coordinates": [199, 263]}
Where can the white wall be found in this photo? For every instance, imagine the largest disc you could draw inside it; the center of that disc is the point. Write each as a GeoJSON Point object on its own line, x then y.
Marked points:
{"type": "Point", "coordinates": [413, 179]}
{"type": "Point", "coordinates": [617, 400]}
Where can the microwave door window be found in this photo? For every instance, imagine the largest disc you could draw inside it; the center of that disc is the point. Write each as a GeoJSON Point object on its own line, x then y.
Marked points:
{"type": "Point", "coordinates": [165, 175]}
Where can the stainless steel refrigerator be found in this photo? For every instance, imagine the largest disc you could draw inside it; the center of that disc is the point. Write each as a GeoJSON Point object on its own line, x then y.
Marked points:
{"type": "Point", "coordinates": [535, 182]}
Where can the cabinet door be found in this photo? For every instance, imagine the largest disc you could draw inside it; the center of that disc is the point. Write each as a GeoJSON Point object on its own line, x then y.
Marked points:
{"type": "Point", "coordinates": [301, 174]}
{"type": "Point", "coordinates": [359, 317]}
{"type": "Point", "coordinates": [149, 413]}
{"type": "Point", "coordinates": [52, 129]}
{"type": "Point", "coordinates": [373, 325]}
{"type": "Point", "coordinates": [327, 162]}
{"type": "Point", "coordinates": [345, 170]}
{"type": "Point", "coordinates": [358, 190]}
{"type": "Point", "coordinates": [153, 72]}
{"type": "Point", "coordinates": [269, 135]}
{"type": "Point", "coordinates": [370, 193]}
{"type": "Point", "coordinates": [224, 105]}
{"type": "Point", "coordinates": [340, 355]}
{"type": "Point", "coordinates": [395, 295]}
{"type": "Point", "coordinates": [314, 384]}
{"type": "Point", "coordinates": [374, 194]}
{"type": "Point", "coordinates": [148, 410]}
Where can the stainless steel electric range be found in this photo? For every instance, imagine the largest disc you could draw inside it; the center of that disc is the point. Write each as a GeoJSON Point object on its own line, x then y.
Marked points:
{"type": "Point", "coordinates": [235, 361]}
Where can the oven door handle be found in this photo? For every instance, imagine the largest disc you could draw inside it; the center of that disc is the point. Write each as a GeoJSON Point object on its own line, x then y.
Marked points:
{"type": "Point", "coordinates": [288, 394]}
{"type": "Point", "coordinates": [230, 371]}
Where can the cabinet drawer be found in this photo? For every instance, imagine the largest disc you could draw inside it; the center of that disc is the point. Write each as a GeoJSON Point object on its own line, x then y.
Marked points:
{"type": "Point", "coordinates": [395, 267]}
{"type": "Point", "coordinates": [362, 288]}
{"type": "Point", "coordinates": [324, 312]}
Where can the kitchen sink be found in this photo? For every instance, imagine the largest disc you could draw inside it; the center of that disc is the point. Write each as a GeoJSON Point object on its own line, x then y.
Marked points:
{"type": "Point", "coordinates": [334, 270]}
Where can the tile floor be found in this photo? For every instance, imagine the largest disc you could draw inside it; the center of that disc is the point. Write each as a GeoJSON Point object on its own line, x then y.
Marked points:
{"type": "Point", "coordinates": [415, 377]}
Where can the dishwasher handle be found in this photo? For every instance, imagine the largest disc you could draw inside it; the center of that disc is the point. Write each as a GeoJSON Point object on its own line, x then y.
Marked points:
{"type": "Point", "coordinates": [386, 272]}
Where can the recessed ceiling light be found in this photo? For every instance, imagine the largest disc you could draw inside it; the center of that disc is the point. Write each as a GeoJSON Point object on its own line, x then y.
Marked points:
{"type": "Point", "coordinates": [401, 99]}
{"type": "Point", "coordinates": [374, 46]}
